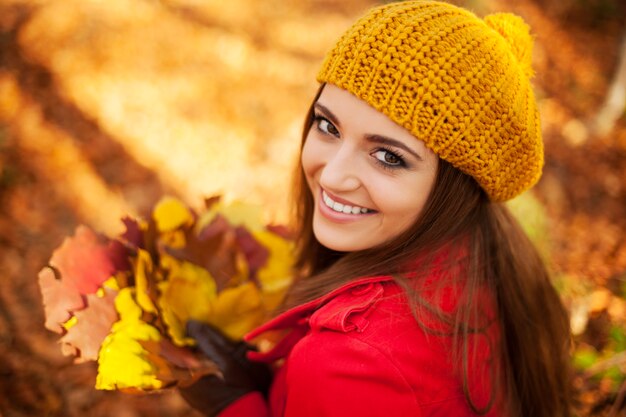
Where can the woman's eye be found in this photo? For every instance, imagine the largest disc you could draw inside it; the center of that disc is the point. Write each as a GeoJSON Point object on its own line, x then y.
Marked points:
{"type": "Point", "coordinates": [327, 127]}
{"type": "Point", "coordinates": [388, 158]}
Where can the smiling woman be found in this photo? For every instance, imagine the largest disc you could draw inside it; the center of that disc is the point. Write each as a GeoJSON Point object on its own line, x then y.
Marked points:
{"type": "Point", "coordinates": [370, 177]}
{"type": "Point", "coordinates": [417, 293]}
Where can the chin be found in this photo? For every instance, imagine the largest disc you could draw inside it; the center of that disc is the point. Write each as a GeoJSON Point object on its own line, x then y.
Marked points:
{"type": "Point", "coordinates": [340, 243]}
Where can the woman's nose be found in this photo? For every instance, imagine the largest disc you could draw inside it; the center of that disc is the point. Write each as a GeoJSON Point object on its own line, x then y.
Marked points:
{"type": "Point", "coordinates": [340, 173]}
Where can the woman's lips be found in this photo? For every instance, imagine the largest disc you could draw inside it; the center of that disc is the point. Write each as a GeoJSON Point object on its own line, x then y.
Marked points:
{"type": "Point", "coordinates": [339, 210]}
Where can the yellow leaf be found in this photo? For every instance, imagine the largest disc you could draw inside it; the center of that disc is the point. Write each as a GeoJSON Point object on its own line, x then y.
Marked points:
{"type": "Point", "coordinates": [70, 323]}
{"type": "Point", "coordinates": [122, 360]}
{"type": "Point", "coordinates": [237, 310]}
{"type": "Point", "coordinates": [186, 294]}
{"type": "Point", "coordinates": [174, 239]}
{"type": "Point", "coordinates": [236, 213]}
{"type": "Point", "coordinates": [143, 269]}
{"type": "Point", "coordinates": [205, 218]}
{"type": "Point", "coordinates": [277, 273]}
{"type": "Point", "coordinates": [126, 305]}
{"type": "Point", "coordinates": [111, 283]}
{"type": "Point", "coordinates": [170, 213]}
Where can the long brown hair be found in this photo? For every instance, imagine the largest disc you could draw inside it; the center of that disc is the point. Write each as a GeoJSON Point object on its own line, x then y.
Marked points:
{"type": "Point", "coordinates": [495, 255]}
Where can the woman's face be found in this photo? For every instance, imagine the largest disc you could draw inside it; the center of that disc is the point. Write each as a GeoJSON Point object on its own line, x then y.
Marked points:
{"type": "Point", "coordinates": [369, 176]}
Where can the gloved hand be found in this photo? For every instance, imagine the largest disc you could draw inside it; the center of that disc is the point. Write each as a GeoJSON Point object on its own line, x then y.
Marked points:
{"type": "Point", "coordinates": [211, 394]}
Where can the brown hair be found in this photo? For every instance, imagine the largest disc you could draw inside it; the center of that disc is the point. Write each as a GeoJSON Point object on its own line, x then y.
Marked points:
{"type": "Point", "coordinates": [495, 256]}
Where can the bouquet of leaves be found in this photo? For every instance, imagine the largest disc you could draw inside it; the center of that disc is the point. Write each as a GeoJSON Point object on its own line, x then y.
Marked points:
{"type": "Point", "coordinates": [125, 302]}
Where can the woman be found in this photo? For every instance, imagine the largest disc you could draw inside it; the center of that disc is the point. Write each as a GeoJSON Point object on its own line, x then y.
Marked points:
{"type": "Point", "coordinates": [419, 293]}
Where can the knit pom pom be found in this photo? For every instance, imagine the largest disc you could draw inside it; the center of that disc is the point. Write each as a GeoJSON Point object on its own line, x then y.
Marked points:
{"type": "Point", "coordinates": [517, 34]}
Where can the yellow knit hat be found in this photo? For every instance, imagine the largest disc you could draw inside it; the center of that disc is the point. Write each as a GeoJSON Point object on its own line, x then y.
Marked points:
{"type": "Point", "coordinates": [457, 82]}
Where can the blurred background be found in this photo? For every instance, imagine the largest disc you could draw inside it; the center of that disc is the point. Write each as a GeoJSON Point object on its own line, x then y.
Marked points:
{"type": "Point", "coordinates": [105, 106]}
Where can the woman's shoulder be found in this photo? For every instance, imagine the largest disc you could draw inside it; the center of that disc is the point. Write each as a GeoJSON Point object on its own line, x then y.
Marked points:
{"type": "Point", "coordinates": [372, 327]}
{"type": "Point", "coordinates": [350, 310]}
{"type": "Point", "coordinates": [380, 315]}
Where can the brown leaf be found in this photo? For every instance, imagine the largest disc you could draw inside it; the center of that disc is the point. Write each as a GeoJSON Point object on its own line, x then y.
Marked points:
{"type": "Point", "coordinates": [83, 340]}
{"type": "Point", "coordinates": [214, 248]}
{"type": "Point", "coordinates": [255, 253]}
{"type": "Point", "coordinates": [281, 230]}
{"type": "Point", "coordinates": [118, 254]}
{"type": "Point", "coordinates": [133, 234]}
{"type": "Point", "coordinates": [210, 201]}
{"type": "Point", "coordinates": [178, 365]}
{"type": "Point", "coordinates": [60, 299]}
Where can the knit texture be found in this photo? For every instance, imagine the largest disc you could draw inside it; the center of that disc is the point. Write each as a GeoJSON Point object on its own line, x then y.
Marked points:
{"type": "Point", "coordinates": [457, 82]}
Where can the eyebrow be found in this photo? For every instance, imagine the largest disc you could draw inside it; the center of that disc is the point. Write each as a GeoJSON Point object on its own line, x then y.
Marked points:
{"type": "Point", "coordinates": [327, 113]}
{"type": "Point", "coordinates": [380, 139]}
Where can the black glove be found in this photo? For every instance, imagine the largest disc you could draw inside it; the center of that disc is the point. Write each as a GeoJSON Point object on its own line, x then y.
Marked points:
{"type": "Point", "coordinates": [211, 394]}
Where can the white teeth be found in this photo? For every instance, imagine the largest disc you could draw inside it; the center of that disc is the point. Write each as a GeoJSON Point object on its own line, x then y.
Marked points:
{"type": "Point", "coordinates": [342, 208]}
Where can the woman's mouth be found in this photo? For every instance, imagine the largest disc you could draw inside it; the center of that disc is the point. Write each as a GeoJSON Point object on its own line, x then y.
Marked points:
{"type": "Point", "coordinates": [343, 208]}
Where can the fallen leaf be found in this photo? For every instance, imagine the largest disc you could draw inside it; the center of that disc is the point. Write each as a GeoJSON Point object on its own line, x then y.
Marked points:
{"type": "Point", "coordinates": [215, 249]}
{"type": "Point", "coordinates": [145, 282]}
{"type": "Point", "coordinates": [241, 214]}
{"type": "Point", "coordinates": [133, 235]}
{"type": "Point", "coordinates": [122, 359]}
{"type": "Point", "coordinates": [170, 213]}
{"type": "Point", "coordinates": [255, 253]}
{"type": "Point", "coordinates": [178, 365]}
{"type": "Point", "coordinates": [93, 324]}
{"type": "Point", "coordinates": [123, 362]}
{"type": "Point", "coordinates": [237, 310]}
{"type": "Point", "coordinates": [60, 299]}
{"type": "Point", "coordinates": [186, 294]}
{"type": "Point", "coordinates": [277, 273]}
{"type": "Point", "coordinates": [85, 260]}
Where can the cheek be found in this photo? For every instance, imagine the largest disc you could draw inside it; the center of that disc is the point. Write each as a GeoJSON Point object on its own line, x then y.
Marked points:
{"type": "Point", "coordinates": [311, 157]}
{"type": "Point", "coordinates": [402, 201]}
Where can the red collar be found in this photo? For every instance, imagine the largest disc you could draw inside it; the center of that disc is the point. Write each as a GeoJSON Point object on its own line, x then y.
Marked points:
{"type": "Point", "coordinates": [297, 319]}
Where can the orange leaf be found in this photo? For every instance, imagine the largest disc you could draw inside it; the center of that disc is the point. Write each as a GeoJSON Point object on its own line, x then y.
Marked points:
{"type": "Point", "coordinates": [85, 260]}
{"type": "Point", "coordinates": [93, 324]}
{"type": "Point", "coordinates": [60, 299]}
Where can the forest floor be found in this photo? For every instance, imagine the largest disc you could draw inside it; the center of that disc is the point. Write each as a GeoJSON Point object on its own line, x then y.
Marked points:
{"type": "Point", "coordinates": [107, 106]}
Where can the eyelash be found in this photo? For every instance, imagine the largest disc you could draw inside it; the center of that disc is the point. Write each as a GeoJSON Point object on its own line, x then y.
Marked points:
{"type": "Point", "coordinates": [401, 162]}
{"type": "Point", "coordinates": [317, 119]}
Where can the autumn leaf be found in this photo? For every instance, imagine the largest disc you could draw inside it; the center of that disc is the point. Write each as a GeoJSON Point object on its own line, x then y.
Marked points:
{"type": "Point", "coordinates": [92, 325]}
{"type": "Point", "coordinates": [60, 299]}
{"type": "Point", "coordinates": [170, 213]}
{"type": "Point", "coordinates": [221, 267]}
{"type": "Point", "coordinates": [145, 283]}
{"type": "Point", "coordinates": [237, 310]}
{"type": "Point", "coordinates": [255, 253]}
{"type": "Point", "coordinates": [241, 214]}
{"type": "Point", "coordinates": [135, 357]}
{"type": "Point", "coordinates": [118, 255]}
{"type": "Point", "coordinates": [86, 260]}
{"type": "Point", "coordinates": [213, 248]}
{"type": "Point", "coordinates": [133, 235]}
{"type": "Point", "coordinates": [277, 273]}
{"type": "Point", "coordinates": [122, 360]}
{"type": "Point", "coordinates": [178, 365]}
{"type": "Point", "coordinates": [186, 294]}
{"type": "Point", "coordinates": [281, 230]}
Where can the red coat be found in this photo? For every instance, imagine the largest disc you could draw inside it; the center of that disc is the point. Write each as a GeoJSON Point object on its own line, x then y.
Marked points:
{"type": "Point", "coordinates": [358, 351]}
